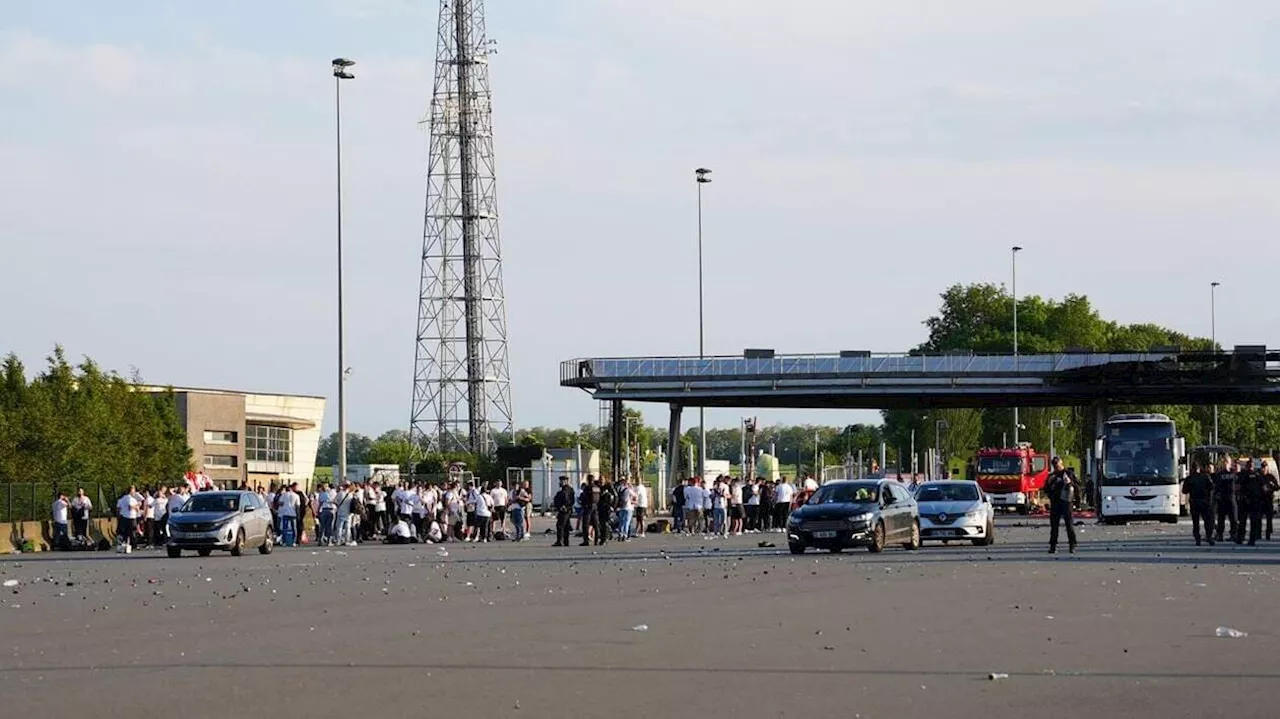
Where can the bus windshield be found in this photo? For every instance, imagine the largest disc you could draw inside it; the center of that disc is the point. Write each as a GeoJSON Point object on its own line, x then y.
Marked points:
{"type": "Point", "coordinates": [1139, 453]}
{"type": "Point", "coordinates": [1000, 465]}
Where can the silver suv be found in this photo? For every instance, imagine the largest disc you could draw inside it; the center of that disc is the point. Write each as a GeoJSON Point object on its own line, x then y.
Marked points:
{"type": "Point", "coordinates": [228, 521]}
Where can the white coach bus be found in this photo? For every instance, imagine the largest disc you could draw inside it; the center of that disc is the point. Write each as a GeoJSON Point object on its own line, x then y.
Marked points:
{"type": "Point", "coordinates": [1139, 475]}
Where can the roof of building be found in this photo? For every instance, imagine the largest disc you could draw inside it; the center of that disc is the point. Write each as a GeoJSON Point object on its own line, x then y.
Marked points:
{"type": "Point", "coordinates": [210, 390]}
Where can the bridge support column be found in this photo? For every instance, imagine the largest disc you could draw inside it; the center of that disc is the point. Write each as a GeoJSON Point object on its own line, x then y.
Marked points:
{"type": "Point", "coordinates": [616, 455]}
{"type": "Point", "coordinates": [673, 456]}
{"type": "Point", "coordinates": [1099, 417]}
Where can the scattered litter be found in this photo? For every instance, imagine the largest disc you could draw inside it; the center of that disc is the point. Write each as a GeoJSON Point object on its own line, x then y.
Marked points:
{"type": "Point", "coordinates": [11, 582]}
{"type": "Point", "coordinates": [829, 648]}
{"type": "Point", "coordinates": [413, 565]}
{"type": "Point", "coordinates": [640, 628]}
{"type": "Point", "coordinates": [1050, 618]}
{"type": "Point", "coordinates": [442, 553]}
{"type": "Point", "coordinates": [997, 676]}
{"type": "Point", "coordinates": [1229, 633]}
{"type": "Point", "coordinates": [766, 545]}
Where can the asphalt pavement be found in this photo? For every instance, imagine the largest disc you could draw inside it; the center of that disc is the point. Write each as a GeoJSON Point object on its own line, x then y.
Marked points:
{"type": "Point", "coordinates": [660, 626]}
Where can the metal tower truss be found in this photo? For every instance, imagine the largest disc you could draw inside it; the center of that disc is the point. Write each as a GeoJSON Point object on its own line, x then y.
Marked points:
{"type": "Point", "coordinates": [461, 379]}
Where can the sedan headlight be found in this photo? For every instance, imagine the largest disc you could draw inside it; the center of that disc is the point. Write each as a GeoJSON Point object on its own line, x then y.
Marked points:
{"type": "Point", "coordinates": [861, 518]}
{"type": "Point", "coordinates": [976, 514]}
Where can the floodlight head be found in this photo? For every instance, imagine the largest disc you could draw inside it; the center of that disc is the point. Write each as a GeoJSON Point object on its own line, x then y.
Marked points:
{"type": "Point", "coordinates": [702, 173]}
{"type": "Point", "coordinates": [1017, 248]}
{"type": "Point", "coordinates": [340, 65]}
{"type": "Point", "coordinates": [1214, 284]}
{"type": "Point", "coordinates": [343, 62]}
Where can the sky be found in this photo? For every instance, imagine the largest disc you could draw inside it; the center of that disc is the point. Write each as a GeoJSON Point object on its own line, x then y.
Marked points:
{"type": "Point", "coordinates": [167, 199]}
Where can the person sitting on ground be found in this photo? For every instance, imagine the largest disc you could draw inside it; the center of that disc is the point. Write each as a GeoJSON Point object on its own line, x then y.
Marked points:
{"type": "Point", "coordinates": [434, 533]}
{"type": "Point", "coordinates": [400, 534]}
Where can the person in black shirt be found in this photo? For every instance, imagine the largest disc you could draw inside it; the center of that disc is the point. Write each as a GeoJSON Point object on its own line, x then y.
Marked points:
{"type": "Point", "coordinates": [564, 512]}
{"type": "Point", "coordinates": [1199, 487]}
{"type": "Point", "coordinates": [1061, 488]}
{"type": "Point", "coordinates": [588, 499]}
{"type": "Point", "coordinates": [1251, 503]}
{"type": "Point", "coordinates": [1224, 496]}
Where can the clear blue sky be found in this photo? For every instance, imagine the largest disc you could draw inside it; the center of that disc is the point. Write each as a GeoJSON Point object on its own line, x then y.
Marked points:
{"type": "Point", "coordinates": [167, 194]}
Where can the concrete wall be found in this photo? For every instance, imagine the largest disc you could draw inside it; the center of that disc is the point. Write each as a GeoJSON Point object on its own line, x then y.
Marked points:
{"type": "Point", "coordinates": [219, 413]}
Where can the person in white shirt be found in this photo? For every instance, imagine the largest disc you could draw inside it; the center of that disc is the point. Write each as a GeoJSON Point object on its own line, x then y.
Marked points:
{"type": "Point", "coordinates": [160, 516]}
{"type": "Point", "coordinates": [81, 508]}
{"type": "Point", "coordinates": [419, 502]}
{"type": "Point", "coordinates": [61, 514]}
{"type": "Point", "coordinates": [626, 505]}
{"type": "Point", "coordinates": [344, 499]}
{"type": "Point", "coordinates": [287, 503]}
{"type": "Point", "coordinates": [783, 494]}
{"type": "Point", "coordinates": [642, 507]}
{"type": "Point", "coordinates": [128, 509]}
{"type": "Point", "coordinates": [484, 516]}
{"type": "Point", "coordinates": [400, 533]}
{"type": "Point", "coordinates": [499, 495]}
{"type": "Point", "coordinates": [453, 512]}
{"type": "Point", "coordinates": [692, 507]}
{"type": "Point", "coordinates": [719, 508]}
{"type": "Point", "coordinates": [177, 499]}
{"type": "Point", "coordinates": [434, 533]}
{"type": "Point", "coordinates": [472, 500]}
{"type": "Point", "coordinates": [326, 511]}
{"type": "Point", "coordinates": [735, 507]}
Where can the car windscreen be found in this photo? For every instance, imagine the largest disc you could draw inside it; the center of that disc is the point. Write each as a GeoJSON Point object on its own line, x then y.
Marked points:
{"type": "Point", "coordinates": [212, 503]}
{"type": "Point", "coordinates": [959, 492]}
{"type": "Point", "coordinates": [999, 465]}
{"type": "Point", "coordinates": [846, 494]}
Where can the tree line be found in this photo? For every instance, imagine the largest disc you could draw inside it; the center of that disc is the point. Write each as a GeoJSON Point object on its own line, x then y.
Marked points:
{"type": "Point", "coordinates": [78, 425]}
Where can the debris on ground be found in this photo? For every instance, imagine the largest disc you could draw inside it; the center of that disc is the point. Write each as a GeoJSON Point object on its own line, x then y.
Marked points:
{"type": "Point", "coordinates": [640, 628]}
{"type": "Point", "coordinates": [996, 676]}
{"type": "Point", "coordinates": [1229, 633]}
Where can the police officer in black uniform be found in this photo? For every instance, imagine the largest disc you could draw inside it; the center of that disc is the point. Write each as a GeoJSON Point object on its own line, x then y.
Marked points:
{"type": "Point", "coordinates": [1061, 488]}
{"type": "Point", "coordinates": [605, 503]}
{"type": "Point", "coordinates": [1250, 503]}
{"type": "Point", "coordinates": [588, 499]}
{"type": "Point", "coordinates": [1224, 496]}
{"type": "Point", "coordinates": [1270, 485]}
{"type": "Point", "coordinates": [1199, 487]}
{"type": "Point", "coordinates": [564, 512]}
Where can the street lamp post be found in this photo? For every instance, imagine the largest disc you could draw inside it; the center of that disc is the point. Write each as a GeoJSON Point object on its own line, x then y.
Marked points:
{"type": "Point", "coordinates": [1213, 339]}
{"type": "Point", "coordinates": [1053, 424]}
{"type": "Point", "coordinates": [938, 426]}
{"type": "Point", "coordinates": [340, 73]}
{"type": "Point", "coordinates": [627, 465]}
{"type": "Point", "coordinates": [701, 175]}
{"type": "Point", "coordinates": [1015, 252]}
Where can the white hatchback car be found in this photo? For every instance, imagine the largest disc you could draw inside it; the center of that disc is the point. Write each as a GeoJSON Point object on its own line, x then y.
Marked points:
{"type": "Point", "coordinates": [955, 509]}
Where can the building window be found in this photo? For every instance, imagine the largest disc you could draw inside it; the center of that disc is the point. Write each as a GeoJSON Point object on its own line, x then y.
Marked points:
{"type": "Point", "coordinates": [217, 436]}
{"type": "Point", "coordinates": [220, 460]}
{"type": "Point", "coordinates": [268, 444]}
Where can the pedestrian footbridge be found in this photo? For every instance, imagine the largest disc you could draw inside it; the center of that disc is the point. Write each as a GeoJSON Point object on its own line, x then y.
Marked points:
{"type": "Point", "coordinates": [865, 380]}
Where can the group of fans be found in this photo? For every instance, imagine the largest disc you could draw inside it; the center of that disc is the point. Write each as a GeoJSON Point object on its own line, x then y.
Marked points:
{"type": "Point", "coordinates": [402, 512]}
{"type": "Point", "coordinates": [1232, 492]}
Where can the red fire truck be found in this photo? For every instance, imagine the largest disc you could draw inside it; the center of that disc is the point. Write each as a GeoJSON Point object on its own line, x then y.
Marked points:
{"type": "Point", "coordinates": [1013, 476]}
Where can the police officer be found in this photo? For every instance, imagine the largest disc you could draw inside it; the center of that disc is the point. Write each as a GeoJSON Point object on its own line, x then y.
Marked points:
{"type": "Point", "coordinates": [1199, 486]}
{"type": "Point", "coordinates": [588, 499]}
{"type": "Point", "coordinates": [1061, 488]}
{"type": "Point", "coordinates": [1270, 485]}
{"type": "Point", "coordinates": [606, 501]}
{"type": "Point", "coordinates": [1224, 496]}
{"type": "Point", "coordinates": [563, 503]}
{"type": "Point", "coordinates": [1251, 503]}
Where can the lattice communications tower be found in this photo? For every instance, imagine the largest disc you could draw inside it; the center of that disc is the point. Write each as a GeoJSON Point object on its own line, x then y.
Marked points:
{"type": "Point", "coordinates": [461, 379]}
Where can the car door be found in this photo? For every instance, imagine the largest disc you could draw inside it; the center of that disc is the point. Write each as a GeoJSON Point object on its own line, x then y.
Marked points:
{"type": "Point", "coordinates": [256, 529]}
{"type": "Point", "coordinates": [890, 506]}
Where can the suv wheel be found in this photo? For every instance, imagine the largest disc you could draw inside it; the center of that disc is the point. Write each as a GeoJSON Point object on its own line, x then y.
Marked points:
{"type": "Point", "coordinates": [877, 539]}
{"type": "Point", "coordinates": [796, 548]}
{"type": "Point", "coordinates": [268, 542]}
{"type": "Point", "coordinates": [237, 549]}
{"type": "Point", "coordinates": [174, 552]}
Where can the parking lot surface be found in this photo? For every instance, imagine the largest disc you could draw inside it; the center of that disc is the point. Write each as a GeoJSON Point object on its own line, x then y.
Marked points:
{"type": "Point", "coordinates": [660, 626]}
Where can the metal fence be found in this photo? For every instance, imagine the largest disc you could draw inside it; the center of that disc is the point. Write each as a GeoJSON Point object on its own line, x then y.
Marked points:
{"type": "Point", "coordinates": [33, 501]}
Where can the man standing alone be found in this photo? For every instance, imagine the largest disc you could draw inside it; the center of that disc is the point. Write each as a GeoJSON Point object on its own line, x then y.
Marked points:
{"type": "Point", "coordinates": [564, 512]}
{"type": "Point", "coordinates": [1061, 488]}
{"type": "Point", "coordinates": [1199, 487]}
